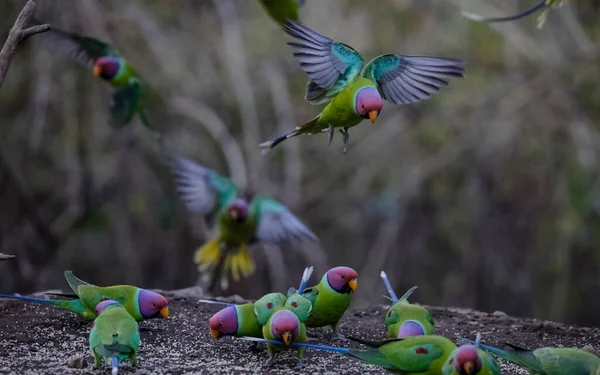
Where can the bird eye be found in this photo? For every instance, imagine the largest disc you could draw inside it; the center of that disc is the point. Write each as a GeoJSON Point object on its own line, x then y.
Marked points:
{"type": "Point", "coordinates": [342, 276]}
{"type": "Point", "coordinates": [363, 106]}
{"type": "Point", "coordinates": [154, 305]}
{"type": "Point", "coordinates": [220, 324]}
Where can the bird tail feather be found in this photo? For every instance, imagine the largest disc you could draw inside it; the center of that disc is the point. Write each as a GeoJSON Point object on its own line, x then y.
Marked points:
{"type": "Point", "coordinates": [476, 17]}
{"type": "Point", "coordinates": [388, 286]}
{"type": "Point", "coordinates": [300, 129]}
{"type": "Point", "coordinates": [75, 306]}
{"type": "Point", "coordinates": [238, 262]}
{"type": "Point", "coordinates": [114, 362]}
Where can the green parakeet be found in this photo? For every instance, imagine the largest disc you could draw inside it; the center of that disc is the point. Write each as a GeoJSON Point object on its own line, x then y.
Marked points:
{"type": "Point", "coordinates": [335, 75]}
{"type": "Point", "coordinates": [114, 336]}
{"type": "Point", "coordinates": [331, 297]}
{"type": "Point", "coordinates": [282, 10]}
{"type": "Point", "coordinates": [543, 5]}
{"type": "Point", "coordinates": [403, 319]}
{"type": "Point", "coordinates": [548, 361]}
{"type": "Point", "coordinates": [240, 222]}
{"type": "Point", "coordinates": [423, 355]}
{"type": "Point", "coordinates": [141, 304]}
{"type": "Point", "coordinates": [106, 62]}
{"type": "Point", "coordinates": [470, 360]}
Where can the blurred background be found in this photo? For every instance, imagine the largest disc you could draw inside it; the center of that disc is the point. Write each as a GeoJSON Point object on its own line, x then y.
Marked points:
{"type": "Point", "coordinates": [486, 196]}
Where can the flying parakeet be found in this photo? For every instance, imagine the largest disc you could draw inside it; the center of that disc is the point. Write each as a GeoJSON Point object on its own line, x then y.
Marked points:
{"type": "Point", "coordinates": [543, 5]}
{"type": "Point", "coordinates": [114, 336]}
{"type": "Point", "coordinates": [331, 297]}
{"type": "Point", "coordinates": [282, 10]}
{"type": "Point", "coordinates": [335, 69]}
{"type": "Point", "coordinates": [423, 355]}
{"type": "Point", "coordinates": [403, 319]}
{"type": "Point", "coordinates": [105, 62]}
{"type": "Point", "coordinates": [141, 304]}
{"type": "Point", "coordinates": [470, 360]}
{"type": "Point", "coordinates": [548, 361]}
{"type": "Point", "coordinates": [286, 324]}
{"type": "Point", "coordinates": [240, 222]}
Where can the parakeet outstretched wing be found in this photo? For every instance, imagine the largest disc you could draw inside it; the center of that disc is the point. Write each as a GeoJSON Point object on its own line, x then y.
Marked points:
{"type": "Point", "coordinates": [409, 79]}
{"type": "Point", "coordinates": [275, 223]}
{"type": "Point", "coordinates": [125, 102]}
{"type": "Point", "coordinates": [329, 64]}
{"type": "Point", "coordinates": [201, 189]}
{"type": "Point", "coordinates": [264, 307]}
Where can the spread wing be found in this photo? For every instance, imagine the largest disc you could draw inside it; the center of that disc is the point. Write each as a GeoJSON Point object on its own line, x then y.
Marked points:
{"type": "Point", "coordinates": [125, 102]}
{"type": "Point", "coordinates": [202, 189]}
{"type": "Point", "coordinates": [276, 224]}
{"type": "Point", "coordinates": [409, 79]}
{"type": "Point", "coordinates": [329, 64]}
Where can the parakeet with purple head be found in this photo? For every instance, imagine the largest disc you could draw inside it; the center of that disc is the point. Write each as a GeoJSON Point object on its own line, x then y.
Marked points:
{"type": "Point", "coordinates": [404, 319]}
{"type": "Point", "coordinates": [141, 304]}
{"type": "Point", "coordinates": [115, 336]}
{"type": "Point", "coordinates": [469, 359]}
{"type": "Point", "coordinates": [240, 222]}
{"type": "Point", "coordinates": [335, 76]}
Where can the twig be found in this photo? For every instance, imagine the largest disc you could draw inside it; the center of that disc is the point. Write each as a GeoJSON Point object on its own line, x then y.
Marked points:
{"type": "Point", "coordinates": [6, 256]}
{"type": "Point", "coordinates": [18, 33]}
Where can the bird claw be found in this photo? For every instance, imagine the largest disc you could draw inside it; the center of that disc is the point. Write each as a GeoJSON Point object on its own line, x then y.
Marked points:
{"type": "Point", "coordinates": [346, 135]}
{"type": "Point", "coordinates": [330, 134]}
{"type": "Point", "coordinates": [269, 362]}
{"type": "Point", "coordinates": [299, 365]}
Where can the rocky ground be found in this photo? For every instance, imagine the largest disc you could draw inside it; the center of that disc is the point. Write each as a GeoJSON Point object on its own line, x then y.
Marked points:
{"type": "Point", "coordinates": [39, 339]}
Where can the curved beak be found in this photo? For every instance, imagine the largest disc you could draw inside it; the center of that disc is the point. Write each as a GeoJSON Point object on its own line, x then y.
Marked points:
{"type": "Point", "coordinates": [373, 116]}
{"type": "Point", "coordinates": [215, 334]}
{"type": "Point", "coordinates": [234, 214]}
{"type": "Point", "coordinates": [164, 312]}
{"type": "Point", "coordinates": [97, 70]}
{"type": "Point", "coordinates": [287, 338]}
{"type": "Point", "coordinates": [353, 284]}
{"type": "Point", "coordinates": [469, 367]}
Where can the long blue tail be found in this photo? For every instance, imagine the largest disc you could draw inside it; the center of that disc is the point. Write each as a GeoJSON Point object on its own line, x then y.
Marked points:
{"type": "Point", "coordinates": [475, 17]}
{"type": "Point", "coordinates": [305, 277]}
{"type": "Point", "coordinates": [29, 299]}
{"type": "Point", "coordinates": [311, 346]}
{"type": "Point", "coordinates": [388, 286]}
{"type": "Point", "coordinates": [114, 361]}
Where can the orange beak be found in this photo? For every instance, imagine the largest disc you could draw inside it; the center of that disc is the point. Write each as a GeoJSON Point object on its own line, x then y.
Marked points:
{"type": "Point", "coordinates": [287, 338]}
{"type": "Point", "coordinates": [214, 333]}
{"type": "Point", "coordinates": [469, 368]}
{"type": "Point", "coordinates": [234, 214]}
{"type": "Point", "coordinates": [353, 284]}
{"type": "Point", "coordinates": [97, 70]}
{"type": "Point", "coordinates": [373, 116]}
{"type": "Point", "coordinates": [164, 312]}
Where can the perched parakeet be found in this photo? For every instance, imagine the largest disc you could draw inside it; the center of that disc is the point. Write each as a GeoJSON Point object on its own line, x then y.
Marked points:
{"type": "Point", "coordinates": [331, 297]}
{"type": "Point", "coordinates": [114, 336]}
{"type": "Point", "coordinates": [240, 222]}
{"type": "Point", "coordinates": [141, 304]}
{"type": "Point", "coordinates": [543, 5]}
{"type": "Point", "coordinates": [403, 319]}
{"type": "Point", "coordinates": [335, 69]}
{"type": "Point", "coordinates": [423, 355]}
{"type": "Point", "coordinates": [286, 324]}
{"type": "Point", "coordinates": [470, 360]}
{"type": "Point", "coordinates": [106, 63]}
{"type": "Point", "coordinates": [282, 10]}
{"type": "Point", "coordinates": [548, 361]}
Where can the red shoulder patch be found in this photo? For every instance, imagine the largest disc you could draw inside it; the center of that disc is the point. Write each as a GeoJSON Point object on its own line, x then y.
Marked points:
{"type": "Point", "coordinates": [389, 313]}
{"type": "Point", "coordinates": [451, 361]}
{"type": "Point", "coordinates": [269, 305]}
{"type": "Point", "coordinates": [295, 304]}
{"type": "Point", "coordinates": [421, 351]}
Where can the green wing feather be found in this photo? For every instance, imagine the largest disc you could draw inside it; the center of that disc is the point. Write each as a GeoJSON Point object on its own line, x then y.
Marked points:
{"type": "Point", "coordinates": [126, 102]}
{"type": "Point", "coordinates": [311, 293]}
{"type": "Point", "coordinates": [330, 65]}
{"type": "Point", "coordinates": [408, 79]}
{"type": "Point", "coordinates": [202, 189]}
{"type": "Point", "coordinates": [300, 306]}
{"type": "Point", "coordinates": [282, 10]}
{"type": "Point", "coordinates": [264, 307]}
{"type": "Point", "coordinates": [74, 282]}
{"type": "Point", "coordinates": [275, 223]}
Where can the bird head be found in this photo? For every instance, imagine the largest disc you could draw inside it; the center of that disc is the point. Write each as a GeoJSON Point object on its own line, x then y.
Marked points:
{"type": "Point", "coordinates": [224, 323]}
{"type": "Point", "coordinates": [468, 361]}
{"type": "Point", "coordinates": [368, 103]}
{"type": "Point", "coordinates": [152, 304]}
{"type": "Point", "coordinates": [285, 326]}
{"type": "Point", "coordinates": [238, 210]}
{"type": "Point", "coordinates": [342, 279]}
{"type": "Point", "coordinates": [410, 328]}
{"type": "Point", "coordinates": [106, 67]}
{"type": "Point", "coordinates": [100, 307]}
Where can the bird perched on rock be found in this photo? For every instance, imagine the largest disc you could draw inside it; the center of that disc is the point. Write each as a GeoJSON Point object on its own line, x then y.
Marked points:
{"type": "Point", "coordinates": [240, 222]}
{"type": "Point", "coordinates": [335, 75]}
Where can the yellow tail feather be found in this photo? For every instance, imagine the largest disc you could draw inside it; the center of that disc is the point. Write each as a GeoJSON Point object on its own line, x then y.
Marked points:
{"type": "Point", "coordinates": [238, 262]}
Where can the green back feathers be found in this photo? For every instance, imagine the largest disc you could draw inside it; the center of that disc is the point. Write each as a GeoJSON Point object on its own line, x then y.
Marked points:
{"type": "Point", "coordinates": [265, 306]}
{"type": "Point", "coordinates": [299, 306]}
{"type": "Point", "coordinates": [115, 333]}
{"type": "Point", "coordinates": [247, 321]}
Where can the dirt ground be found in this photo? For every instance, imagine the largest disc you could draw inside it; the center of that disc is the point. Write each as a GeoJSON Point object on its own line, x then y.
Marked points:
{"type": "Point", "coordinates": [39, 339]}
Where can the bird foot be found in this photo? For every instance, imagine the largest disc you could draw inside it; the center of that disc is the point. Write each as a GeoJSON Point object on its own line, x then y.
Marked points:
{"type": "Point", "coordinates": [346, 135]}
{"type": "Point", "coordinates": [330, 134]}
{"type": "Point", "coordinates": [269, 362]}
{"type": "Point", "coordinates": [299, 365]}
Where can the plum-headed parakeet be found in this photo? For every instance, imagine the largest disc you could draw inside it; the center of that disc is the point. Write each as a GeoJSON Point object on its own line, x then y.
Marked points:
{"type": "Point", "coordinates": [335, 69]}
{"type": "Point", "coordinates": [470, 360]}
{"type": "Point", "coordinates": [548, 361]}
{"type": "Point", "coordinates": [282, 10]}
{"type": "Point", "coordinates": [404, 319]}
{"type": "Point", "coordinates": [543, 5]}
{"type": "Point", "coordinates": [106, 62]}
{"type": "Point", "coordinates": [141, 304]}
{"type": "Point", "coordinates": [114, 336]}
{"type": "Point", "coordinates": [240, 222]}
{"type": "Point", "coordinates": [331, 297]}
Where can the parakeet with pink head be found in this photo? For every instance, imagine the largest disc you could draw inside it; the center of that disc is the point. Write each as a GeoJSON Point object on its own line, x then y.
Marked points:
{"type": "Point", "coordinates": [470, 359]}
{"type": "Point", "coordinates": [404, 319]}
{"type": "Point", "coordinates": [335, 76]}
